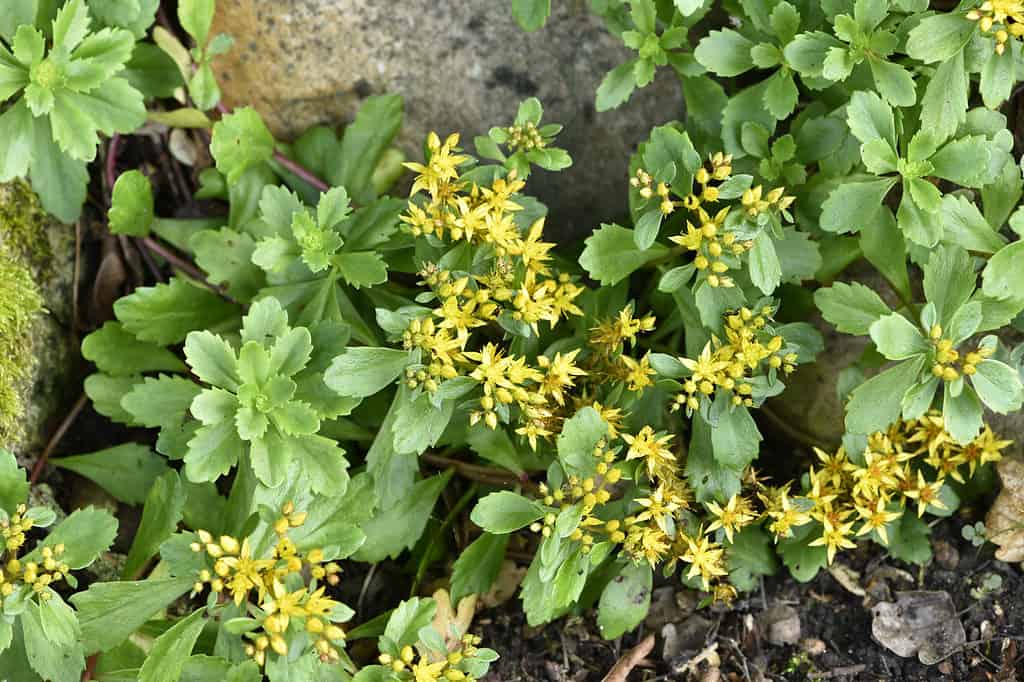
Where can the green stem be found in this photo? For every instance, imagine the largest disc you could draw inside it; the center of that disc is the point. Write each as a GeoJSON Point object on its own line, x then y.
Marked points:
{"type": "Point", "coordinates": [456, 509]}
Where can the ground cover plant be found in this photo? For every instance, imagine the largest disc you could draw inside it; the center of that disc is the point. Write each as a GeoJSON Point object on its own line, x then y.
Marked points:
{"type": "Point", "coordinates": [310, 370]}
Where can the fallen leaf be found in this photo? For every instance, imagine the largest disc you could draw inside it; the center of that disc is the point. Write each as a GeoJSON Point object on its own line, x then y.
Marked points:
{"type": "Point", "coordinates": [453, 623]}
{"type": "Point", "coordinates": [920, 622]}
{"type": "Point", "coordinates": [505, 586]}
{"type": "Point", "coordinates": [1004, 523]}
{"type": "Point", "coordinates": [847, 577]}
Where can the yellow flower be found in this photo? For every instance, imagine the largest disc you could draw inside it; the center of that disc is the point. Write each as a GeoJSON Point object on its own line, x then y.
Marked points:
{"type": "Point", "coordinates": [731, 518]}
{"type": "Point", "coordinates": [876, 518]}
{"type": "Point", "coordinates": [705, 558]}
{"type": "Point", "coordinates": [650, 447]}
{"type": "Point", "coordinates": [785, 516]}
{"type": "Point", "coordinates": [559, 374]}
{"type": "Point", "coordinates": [532, 250]}
{"type": "Point", "coordinates": [834, 538]}
{"type": "Point", "coordinates": [926, 494]}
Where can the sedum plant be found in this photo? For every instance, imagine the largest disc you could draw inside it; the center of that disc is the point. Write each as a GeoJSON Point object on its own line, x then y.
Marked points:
{"type": "Point", "coordinates": [329, 361]}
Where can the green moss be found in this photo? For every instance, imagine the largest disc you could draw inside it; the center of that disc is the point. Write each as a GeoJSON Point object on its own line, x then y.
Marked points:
{"type": "Point", "coordinates": [20, 302]}
{"type": "Point", "coordinates": [21, 233]}
{"type": "Point", "coordinates": [26, 258]}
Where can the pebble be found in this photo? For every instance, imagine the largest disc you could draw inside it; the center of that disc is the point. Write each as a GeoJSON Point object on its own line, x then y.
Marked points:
{"type": "Point", "coordinates": [781, 625]}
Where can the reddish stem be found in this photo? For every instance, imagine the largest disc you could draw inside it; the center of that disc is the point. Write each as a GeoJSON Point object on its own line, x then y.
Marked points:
{"type": "Point", "coordinates": [111, 165]}
{"type": "Point", "coordinates": [292, 166]}
{"type": "Point", "coordinates": [55, 439]}
{"type": "Point", "coordinates": [176, 261]}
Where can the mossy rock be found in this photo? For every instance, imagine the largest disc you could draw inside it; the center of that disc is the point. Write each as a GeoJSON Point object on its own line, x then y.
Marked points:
{"type": "Point", "coordinates": [37, 262]}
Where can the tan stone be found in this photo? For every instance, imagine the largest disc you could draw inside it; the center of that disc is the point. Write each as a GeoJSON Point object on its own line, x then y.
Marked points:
{"type": "Point", "coordinates": [460, 66]}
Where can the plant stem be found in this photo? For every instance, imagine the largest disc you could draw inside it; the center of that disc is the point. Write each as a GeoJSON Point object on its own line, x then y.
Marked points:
{"type": "Point", "coordinates": [457, 508]}
{"type": "Point", "coordinates": [179, 263]}
{"type": "Point", "coordinates": [55, 439]}
{"type": "Point", "coordinates": [111, 163]}
{"type": "Point", "coordinates": [481, 474]}
{"type": "Point", "coordinates": [301, 172]}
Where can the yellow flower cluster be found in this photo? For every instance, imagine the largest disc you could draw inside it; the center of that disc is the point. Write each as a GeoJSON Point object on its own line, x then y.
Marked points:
{"type": "Point", "coordinates": [516, 283]}
{"type": "Point", "coordinates": [40, 575]}
{"type": "Point", "coordinates": [241, 575]}
{"type": "Point", "coordinates": [949, 366]}
{"type": "Point", "coordinates": [747, 351]}
{"type": "Point", "coordinates": [609, 362]}
{"type": "Point", "coordinates": [525, 137]}
{"type": "Point", "coordinates": [1005, 16]}
{"type": "Point", "coordinates": [851, 500]}
{"type": "Point", "coordinates": [590, 493]}
{"type": "Point", "coordinates": [429, 668]}
{"type": "Point", "coordinates": [716, 249]}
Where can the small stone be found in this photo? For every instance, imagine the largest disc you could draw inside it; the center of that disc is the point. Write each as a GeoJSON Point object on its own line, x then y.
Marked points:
{"type": "Point", "coordinates": [920, 622]}
{"type": "Point", "coordinates": [812, 646]}
{"type": "Point", "coordinates": [781, 624]}
{"type": "Point", "coordinates": [946, 555]}
{"type": "Point", "coordinates": [946, 668]}
{"type": "Point", "coordinates": [686, 636]}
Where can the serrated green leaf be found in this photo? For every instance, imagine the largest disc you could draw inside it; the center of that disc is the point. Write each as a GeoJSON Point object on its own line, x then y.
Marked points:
{"type": "Point", "coordinates": [131, 209]}
{"type": "Point", "coordinates": [897, 338]}
{"type": "Point", "coordinates": [611, 254]}
{"type": "Point", "coordinates": [852, 204]}
{"type": "Point", "coordinates": [116, 352]}
{"type": "Point", "coordinates": [616, 86]}
{"type": "Point", "coordinates": [1003, 277]}
{"type": "Point", "coordinates": [939, 37]}
{"type": "Point", "coordinates": [478, 566]}
{"type": "Point", "coordinates": [240, 140]}
{"type": "Point", "coordinates": [166, 313]}
{"type": "Point", "coordinates": [725, 53]}
{"type": "Point", "coordinates": [13, 483]}
{"type": "Point", "coordinates": [85, 534]}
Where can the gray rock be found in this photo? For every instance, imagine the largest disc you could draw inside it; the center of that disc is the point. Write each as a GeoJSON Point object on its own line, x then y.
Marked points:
{"type": "Point", "coordinates": [37, 256]}
{"type": "Point", "coordinates": [919, 622]}
{"type": "Point", "coordinates": [460, 66]}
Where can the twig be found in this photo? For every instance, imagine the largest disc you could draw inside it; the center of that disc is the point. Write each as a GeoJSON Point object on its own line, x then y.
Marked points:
{"type": "Point", "coordinates": [366, 586]}
{"type": "Point", "coordinates": [481, 474]}
{"type": "Point", "coordinates": [148, 258]}
{"type": "Point", "coordinates": [184, 266]}
{"type": "Point", "coordinates": [838, 672]}
{"type": "Point", "coordinates": [55, 439]}
{"type": "Point", "coordinates": [620, 671]}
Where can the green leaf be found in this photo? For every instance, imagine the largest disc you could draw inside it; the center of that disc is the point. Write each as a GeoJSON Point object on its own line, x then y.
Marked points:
{"type": "Point", "coordinates": [725, 53]}
{"type": "Point", "coordinates": [85, 534]}
{"type": "Point", "coordinates": [116, 352]}
{"type": "Point", "coordinates": [611, 254]}
{"type": "Point", "coordinates": [226, 256]}
{"type": "Point", "coordinates": [750, 555]}
{"type": "Point", "coordinates": [363, 144]}
{"type": "Point", "coordinates": [939, 37]}
{"type": "Point", "coordinates": [876, 403]}
{"type": "Point", "coordinates": [59, 179]}
{"type": "Point", "coordinates": [998, 385]}
{"type": "Point", "coordinates": [152, 72]}
{"type": "Point", "coordinates": [765, 269]}
{"type": "Point", "coordinates": [944, 104]}
{"type": "Point", "coordinates": [166, 313]}
{"type": "Point", "coordinates": [998, 75]}
{"type": "Point", "coordinates": [110, 612]}
{"type": "Point", "coordinates": [580, 435]}
{"type": "Point", "coordinates": [735, 439]}
{"type": "Point", "coordinates": [362, 268]}
{"type": "Point", "coordinates": [616, 86]}
{"type": "Point", "coordinates": [803, 560]}
{"type": "Point", "coordinates": [131, 205]}
{"type": "Point", "coordinates": [405, 623]}
{"type": "Point", "coordinates": [781, 95]}
{"type": "Point", "coordinates": [196, 16]}
{"type": "Point", "coordinates": [669, 154]}
{"type": "Point", "coordinates": [496, 446]}
{"type": "Point", "coordinates": [964, 225]}
{"type": "Point", "coordinates": [531, 14]}
{"type": "Point", "coordinates": [625, 600]}
{"type": "Point", "coordinates": [161, 401]}
{"type": "Point", "coordinates": [884, 247]}
{"type": "Point", "coordinates": [399, 527]}
{"type": "Point", "coordinates": [963, 161]}
{"type": "Point", "coordinates": [807, 52]}
{"type": "Point", "coordinates": [57, 661]}
{"type": "Point", "coordinates": [361, 372]}
{"type": "Point", "coordinates": [949, 281]}
{"type": "Point", "coordinates": [212, 451]}
{"type": "Point", "coordinates": [106, 393]}
{"type": "Point", "coordinates": [213, 360]}
{"type": "Point", "coordinates": [870, 118]}
{"type": "Point", "coordinates": [171, 650]}
{"type": "Point", "coordinates": [908, 539]}
{"type": "Point", "coordinates": [1003, 277]}
{"type": "Point", "coordinates": [852, 204]}
{"type": "Point", "coordinates": [897, 338]}
{"type": "Point", "coordinates": [13, 483]}
{"type": "Point", "coordinates": [962, 413]}
{"type": "Point", "coordinates": [125, 471]}
{"type": "Point", "coordinates": [504, 512]}
{"type": "Point", "coordinates": [851, 308]}
{"type": "Point", "coordinates": [240, 140]}
{"type": "Point", "coordinates": [478, 566]}
{"type": "Point", "coordinates": [165, 502]}
{"type": "Point", "coordinates": [894, 82]}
